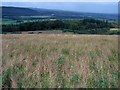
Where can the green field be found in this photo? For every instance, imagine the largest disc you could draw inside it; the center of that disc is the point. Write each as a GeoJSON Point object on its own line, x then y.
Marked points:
{"type": "Point", "coordinates": [35, 16]}
{"type": "Point", "coordinates": [60, 61]}
{"type": "Point", "coordinates": [8, 21]}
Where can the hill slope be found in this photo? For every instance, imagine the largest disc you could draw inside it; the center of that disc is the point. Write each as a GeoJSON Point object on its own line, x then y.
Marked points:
{"type": "Point", "coordinates": [18, 11]}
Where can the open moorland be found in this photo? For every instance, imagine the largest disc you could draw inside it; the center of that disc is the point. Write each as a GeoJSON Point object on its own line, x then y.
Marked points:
{"type": "Point", "coordinates": [60, 61]}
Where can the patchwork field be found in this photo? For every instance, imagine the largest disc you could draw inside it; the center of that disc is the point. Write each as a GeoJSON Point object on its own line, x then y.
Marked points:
{"type": "Point", "coordinates": [60, 61]}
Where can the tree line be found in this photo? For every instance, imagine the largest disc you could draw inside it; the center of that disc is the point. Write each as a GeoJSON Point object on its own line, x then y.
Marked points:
{"type": "Point", "coordinates": [75, 26]}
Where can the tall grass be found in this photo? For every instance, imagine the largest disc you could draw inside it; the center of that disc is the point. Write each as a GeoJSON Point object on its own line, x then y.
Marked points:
{"type": "Point", "coordinates": [60, 61]}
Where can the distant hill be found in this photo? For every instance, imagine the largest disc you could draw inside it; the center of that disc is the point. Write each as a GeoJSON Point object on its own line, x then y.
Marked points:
{"type": "Point", "coordinates": [19, 11]}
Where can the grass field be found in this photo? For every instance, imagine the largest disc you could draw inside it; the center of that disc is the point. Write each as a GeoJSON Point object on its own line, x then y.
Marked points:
{"type": "Point", "coordinates": [60, 61]}
{"type": "Point", "coordinates": [8, 21]}
{"type": "Point", "coordinates": [24, 17]}
{"type": "Point", "coordinates": [114, 29]}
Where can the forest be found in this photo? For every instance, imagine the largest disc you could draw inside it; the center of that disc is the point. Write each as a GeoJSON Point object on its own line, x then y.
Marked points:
{"type": "Point", "coordinates": [85, 26]}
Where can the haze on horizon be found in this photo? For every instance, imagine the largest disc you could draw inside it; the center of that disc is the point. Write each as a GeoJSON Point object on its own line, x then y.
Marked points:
{"type": "Point", "coordinates": [91, 7]}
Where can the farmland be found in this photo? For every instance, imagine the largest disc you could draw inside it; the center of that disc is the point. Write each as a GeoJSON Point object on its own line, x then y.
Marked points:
{"type": "Point", "coordinates": [8, 21]}
{"type": "Point", "coordinates": [60, 61]}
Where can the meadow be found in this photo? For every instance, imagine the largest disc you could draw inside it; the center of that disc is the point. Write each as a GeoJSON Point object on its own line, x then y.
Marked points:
{"type": "Point", "coordinates": [8, 21]}
{"type": "Point", "coordinates": [60, 61]}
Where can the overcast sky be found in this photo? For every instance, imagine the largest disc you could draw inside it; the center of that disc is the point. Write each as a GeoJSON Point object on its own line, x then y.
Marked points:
{"type": "Point", "coordinates": [96, 7]}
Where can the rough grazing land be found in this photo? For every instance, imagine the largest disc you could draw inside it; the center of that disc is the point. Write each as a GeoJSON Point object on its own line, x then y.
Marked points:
{"type": "Point", "coordinates": [61, 61]}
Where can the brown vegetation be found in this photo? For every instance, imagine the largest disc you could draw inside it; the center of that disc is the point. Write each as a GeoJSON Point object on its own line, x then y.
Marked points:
{"type": "Point", "coordinates": [61, 61]}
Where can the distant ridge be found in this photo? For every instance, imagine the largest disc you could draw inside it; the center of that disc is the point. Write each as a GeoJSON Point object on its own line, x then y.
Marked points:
{"type": "Point", "coordinates": [18, 11]}
{"type": "Point", "coordinates": [21, 11]}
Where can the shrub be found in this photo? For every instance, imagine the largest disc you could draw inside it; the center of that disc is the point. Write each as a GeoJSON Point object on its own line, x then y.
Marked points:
{"type": "Point", "coordinates": [74, 79]}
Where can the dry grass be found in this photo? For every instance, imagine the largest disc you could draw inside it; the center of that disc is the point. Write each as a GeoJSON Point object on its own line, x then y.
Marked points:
{"type": "Point", "coordinates": [61, 61]}
{"type": "Point", "coordinates": [113, 29]}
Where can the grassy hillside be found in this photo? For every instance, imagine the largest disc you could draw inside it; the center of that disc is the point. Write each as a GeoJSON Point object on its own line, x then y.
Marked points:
{"type": "Point", "coordinates": [62, 61]}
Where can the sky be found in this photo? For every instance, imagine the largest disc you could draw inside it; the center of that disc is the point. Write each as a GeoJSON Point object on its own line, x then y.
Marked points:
{"type": "Point", "coordinates": [60, 0]}
{"type": "Point", "coordinates": [94, 7]}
